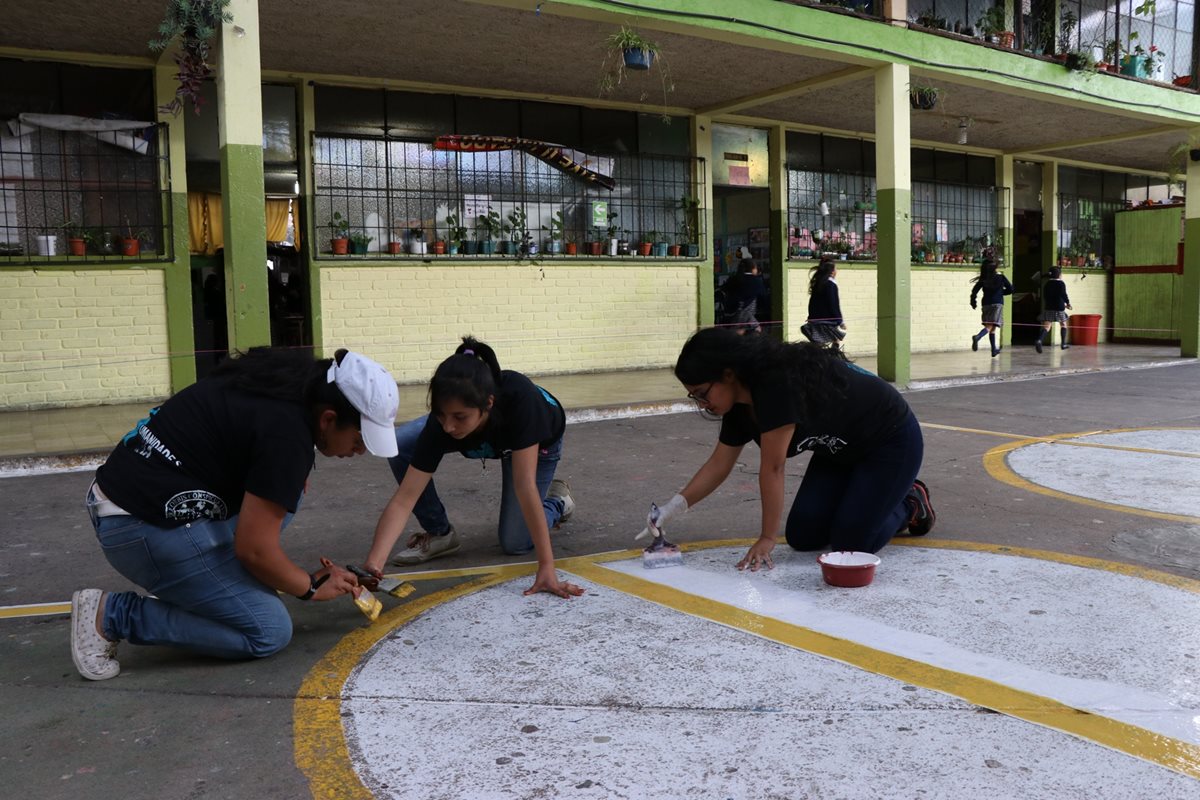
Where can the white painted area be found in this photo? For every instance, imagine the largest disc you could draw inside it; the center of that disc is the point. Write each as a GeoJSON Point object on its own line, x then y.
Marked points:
{"type": "Point", "coordinates": [495, 695]}
{"type": "Point", "coordinates": [1150, 481]}
{"type": "Point", "coordinates": [1122, 647]}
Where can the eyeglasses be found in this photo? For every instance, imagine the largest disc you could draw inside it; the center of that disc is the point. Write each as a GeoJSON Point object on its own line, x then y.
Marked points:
{"type": "Point", "coordinates": [701, 397]}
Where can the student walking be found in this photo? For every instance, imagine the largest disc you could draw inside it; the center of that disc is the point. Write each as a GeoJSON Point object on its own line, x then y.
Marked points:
{"type": "Point", "coordinates": [995, 287]}
{"type": "Point", "coordinates": [482, 412]}
{"type": "Point", "coordinates": [1055, 304]}
{"type": "Point", "coordinates": [190, 505]}
{"type": "Point", "coordinates": [860, 488]}
{"type": "Point", "coordinates": [825, 325]}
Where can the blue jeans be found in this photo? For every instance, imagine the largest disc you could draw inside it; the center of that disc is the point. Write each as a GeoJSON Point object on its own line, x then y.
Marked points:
{"type": "Point", "coordinates": [204, 599]}
{"type": "Point", "coordinates": [858, 506]}
{"type": "Point", "coordinates": [512, 530]}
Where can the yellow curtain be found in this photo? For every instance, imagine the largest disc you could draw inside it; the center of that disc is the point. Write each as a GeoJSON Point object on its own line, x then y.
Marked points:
{"type": "Point", "coordinates": [206, 230]}
{"type": "Point", "coordinates": [197, 225]}
{"type": "Point", "coordinates": [277, 221]}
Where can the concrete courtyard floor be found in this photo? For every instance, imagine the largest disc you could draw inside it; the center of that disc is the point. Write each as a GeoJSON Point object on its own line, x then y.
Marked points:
{"type": "Point", "coordinates": [1043, 641]}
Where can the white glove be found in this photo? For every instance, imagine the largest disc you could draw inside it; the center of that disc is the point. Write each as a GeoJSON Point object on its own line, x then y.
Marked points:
{"type": "Point", "coordinates": [656, 520]}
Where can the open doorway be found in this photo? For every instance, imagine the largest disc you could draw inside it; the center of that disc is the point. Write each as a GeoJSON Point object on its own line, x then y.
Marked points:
{"type": "Point", "coordinates": [741, 221]}
{"type": "Point", "coordinates": [1026, 278]}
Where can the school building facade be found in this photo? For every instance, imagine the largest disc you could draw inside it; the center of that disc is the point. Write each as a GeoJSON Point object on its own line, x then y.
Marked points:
{"type": "Point", "coordinates": [404, 172]}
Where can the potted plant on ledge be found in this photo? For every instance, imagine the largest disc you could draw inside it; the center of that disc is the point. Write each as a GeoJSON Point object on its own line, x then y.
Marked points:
{"type": "Point", "coordinates": [359, 241]}
{"type": "Point", "coordinates": [555, 229]}
{"type": "Point", "coordinates": [339, 239]}
{"type": "Point", "coordinates": [457, 234]}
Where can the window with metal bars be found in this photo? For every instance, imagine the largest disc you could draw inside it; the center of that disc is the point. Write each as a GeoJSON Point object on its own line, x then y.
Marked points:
{"type": "Point", "coordinates": [831, 212]}
{"type": "Point", "coordinates": [68, 197]}
{"type": "Point", "coordinates": [402, 197]}
{"type": "Point", "coordinates": [957, 223]}
{"type": "Point", "coordinates": [1086, 226]}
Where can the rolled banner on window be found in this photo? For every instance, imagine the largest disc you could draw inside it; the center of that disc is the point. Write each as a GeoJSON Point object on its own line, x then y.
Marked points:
{"type": "Point", "coordinates": [554, 155]}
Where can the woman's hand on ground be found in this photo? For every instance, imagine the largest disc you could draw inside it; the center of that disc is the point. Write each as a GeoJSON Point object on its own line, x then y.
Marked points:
{"type": "Point", "coordinates": [759, 555]}
{"type": "Point", "coordinates": [547, 581]}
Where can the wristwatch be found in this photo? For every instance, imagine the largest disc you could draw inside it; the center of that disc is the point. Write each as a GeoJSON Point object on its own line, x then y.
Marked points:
{"type": "Point", "coordinates": [314, 583]}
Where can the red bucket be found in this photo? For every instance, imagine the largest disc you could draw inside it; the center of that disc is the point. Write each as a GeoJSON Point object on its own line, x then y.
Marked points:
{"type": "Point", "coordinates": [848, 568]}
{"type": "Point", "coordinates": [1084, 328]}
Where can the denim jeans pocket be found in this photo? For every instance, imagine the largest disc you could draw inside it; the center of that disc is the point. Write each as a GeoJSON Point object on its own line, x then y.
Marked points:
{"type": "Point", "coordinates": [132, 559]}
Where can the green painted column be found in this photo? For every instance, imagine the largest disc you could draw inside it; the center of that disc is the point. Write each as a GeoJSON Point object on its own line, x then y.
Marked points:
{"type": "Point", "coordinates": [239, 107]}
{"type": "Point", "coordinates": [894, 198]}
{"type": "Point", "coordinates": [702, 149]}
{"type": "Point", "coordinates": [1189, 284]}
{"type": "Point", "coordinates": [1006, 180]}
{"type": "Point", "coordinates": [777, 155]}
{"type": "Point", "coordinates": [1049, 228]}
{"type": "Point", "coordinates": [310, 246]}
{"type": "Point", "coordinates": [177, 276]}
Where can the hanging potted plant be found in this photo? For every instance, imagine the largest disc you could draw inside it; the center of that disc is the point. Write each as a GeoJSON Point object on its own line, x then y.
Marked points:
{"type": "Point", "coordinates": [922, 97]}
{"type": "Point", "coordinates": [339, 227]}
{"type": "Point", "coordinates": [194, 23]}
{"type": "Point", "coordinates": [627, 50]}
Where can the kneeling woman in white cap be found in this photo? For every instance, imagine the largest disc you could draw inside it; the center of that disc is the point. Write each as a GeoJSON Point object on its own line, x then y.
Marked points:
{"type": "Point", "coordinates": [191, 502]}
{"type": "Point", "coordinates": [482, 412]}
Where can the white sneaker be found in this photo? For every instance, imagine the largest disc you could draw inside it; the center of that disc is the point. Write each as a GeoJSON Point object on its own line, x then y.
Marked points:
{"type": "Point", "coordinates": [95, 657]}
{"type": "Point", "coordinates": [429, 548]}
{"type": "Point", "coordinates": [562, 490]}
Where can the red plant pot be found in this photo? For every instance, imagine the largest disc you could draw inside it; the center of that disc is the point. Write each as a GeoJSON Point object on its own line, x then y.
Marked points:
{"type": "Point", "coordinates": [571, 248]}
{"type": "Point", "coordinates": [596, 248]}
{"type": "Point", "coordinates": [674, 250]}
{"type": "Point", "coordinates": [394, 248]}
{"type": "Point", "coordinates": [339, 246]}
{"type": "Point", "coordinates": [77, 247]}
{"type": "Point", "coordinates": [439, 248]}
{"type": "Point", "coordinates": [131, 247]}
{"type": "Point", "coordinates": [644, 248]}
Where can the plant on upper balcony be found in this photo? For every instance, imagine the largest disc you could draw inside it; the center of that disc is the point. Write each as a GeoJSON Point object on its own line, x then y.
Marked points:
{"type": "Point", "coordinates": [1067, 21]}
{"type": "Point", "coordinates": [194, 23]}
{"type": "Point", "coordinates": [993, 26]}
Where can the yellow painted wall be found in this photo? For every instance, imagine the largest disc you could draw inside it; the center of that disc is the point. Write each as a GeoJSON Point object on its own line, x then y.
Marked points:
{"type": "Point", "coordinates": [942, 317]}
{"type": "Point", "coordinates": [540, 320]}
{"type": "Point", "coordinates": [82, 337]}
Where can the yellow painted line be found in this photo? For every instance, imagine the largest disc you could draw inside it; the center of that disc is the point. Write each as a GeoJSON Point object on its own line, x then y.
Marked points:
{"type": "Point", "coordinates": [1067, 439]}
{"type": "Point", "coordinates": [996, 463]}
{"type": "Point", "coordinates": [1171, 753]}
{"type": "Point", "coordinates": [34, 610]}
{"type": "Point", "coordinates": [321, 752]}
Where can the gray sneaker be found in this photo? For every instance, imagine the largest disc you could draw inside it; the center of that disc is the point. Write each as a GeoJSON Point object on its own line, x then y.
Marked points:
{"type": "Point", "coordinates": [429, 548]}
{"type": "Point", "coordinates": [562, 490]}
{"type": "Point", "coordinates": [95, 657]}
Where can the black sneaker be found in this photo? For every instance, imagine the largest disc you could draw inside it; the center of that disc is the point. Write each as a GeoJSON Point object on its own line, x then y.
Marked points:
{"type": "Point", "coordinates": [1038, 345]}
{"type": "Point", "coordinates": [923, 516]}
{"type": "Point", "coordinates": [974, 344]}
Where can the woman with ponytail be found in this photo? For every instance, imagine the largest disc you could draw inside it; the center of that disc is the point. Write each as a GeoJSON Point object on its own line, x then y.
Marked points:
{"type": "Point", "coordinates": [859, 489]}
{"type": "Point", "coordinates": [191, 503]}
{"type": "Point", "coordinates": [483, 412]}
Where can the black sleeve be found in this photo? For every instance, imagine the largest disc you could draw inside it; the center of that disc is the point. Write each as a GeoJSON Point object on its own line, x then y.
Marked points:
{"type": "Point", "coordinates": [1066, 300]}
{"type": "Point", "coordinates": [430, 447]}
{"type": "Point", "coordinates": [976, 289]}
{"type": "Point", "coordinates": [835, 301]}
{"type": "Point", "coordinates": [1008, 287]}
{"type": "Point", "coordinates": [736, 428]}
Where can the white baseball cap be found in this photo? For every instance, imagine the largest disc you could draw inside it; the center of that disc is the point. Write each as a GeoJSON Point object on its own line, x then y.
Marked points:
{"type": "Point", "coordinates": [372, 391]}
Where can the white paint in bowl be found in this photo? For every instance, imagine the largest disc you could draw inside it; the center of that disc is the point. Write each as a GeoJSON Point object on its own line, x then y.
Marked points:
{"type": "Point", "coordinates": [849, 558]}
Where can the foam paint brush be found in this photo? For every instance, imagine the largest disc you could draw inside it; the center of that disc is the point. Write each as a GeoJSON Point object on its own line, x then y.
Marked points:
{"type": "Point", "coordinates": [659, 553]}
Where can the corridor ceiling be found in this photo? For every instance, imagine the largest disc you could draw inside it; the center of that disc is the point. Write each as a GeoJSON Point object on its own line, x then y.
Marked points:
{"type": "Point", "coordinates": [489, 47]}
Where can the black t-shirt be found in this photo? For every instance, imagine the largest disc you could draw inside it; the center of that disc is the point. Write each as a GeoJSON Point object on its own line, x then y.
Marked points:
{"type": "Point", "coordinates": [845, 431]}
{"type": "Point", "coordinates": [522, 415]}
{"type": "Point", "coordinates": [197, 454]}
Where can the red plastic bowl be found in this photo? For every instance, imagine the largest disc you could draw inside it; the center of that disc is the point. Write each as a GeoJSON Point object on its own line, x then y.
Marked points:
{"type": "Point", "coordinates": [848, 568]}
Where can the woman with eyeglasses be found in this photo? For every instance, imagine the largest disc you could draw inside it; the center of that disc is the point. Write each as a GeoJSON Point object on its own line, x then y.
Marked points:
{"type": "Point", "coordinates": [860, 488]}
{"type": "Point", "coordinates": [482, 412]}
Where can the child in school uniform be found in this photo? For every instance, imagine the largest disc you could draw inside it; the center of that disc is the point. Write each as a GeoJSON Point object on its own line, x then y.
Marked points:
{"type": "Point", "coordinates": [995, 287]}
{"type": "Point", "coordinates": [825, 325]}
{"type": "Point", "coordinates": [1055, 304]}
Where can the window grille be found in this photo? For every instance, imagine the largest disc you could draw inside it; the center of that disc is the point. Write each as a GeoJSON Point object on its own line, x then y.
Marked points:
{"type": "Point", "coordinates": [956, 223]}
{"type": "Point", "coordinates": [831, 212]}
{"type": "Point", "coordinates": [402, 197]}
{"type": "Point", "coordinates": [58, 186]}
{"type": "Point", "coordinates": [1086, 230]}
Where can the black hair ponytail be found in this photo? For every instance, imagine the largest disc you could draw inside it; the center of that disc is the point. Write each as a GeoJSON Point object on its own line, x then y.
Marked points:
{"type": "Point", "coordinates": [821, 274]}
{"type": "Point", "coordinates": [470, 376]}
